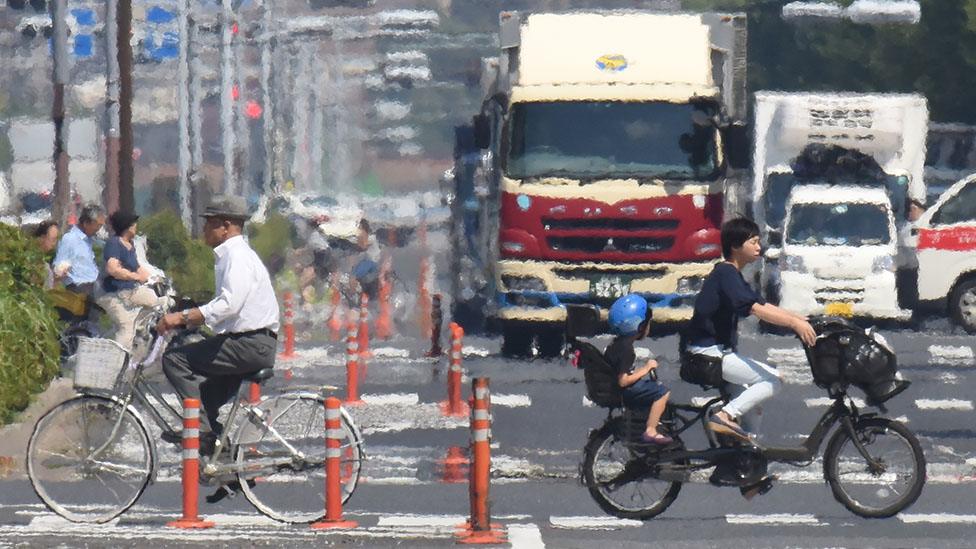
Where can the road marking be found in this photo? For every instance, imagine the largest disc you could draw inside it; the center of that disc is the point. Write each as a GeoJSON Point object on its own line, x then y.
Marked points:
{"type": "Point", "coordinates": [824, 401]}
{"type": "Point", "coordinates": [390, 352]}
{"type": "Point", "coordinates": [936, 518]}
{"type": "Point", "coordinates": [511, 401]}
{"type": "Point", "coordinates": [944, 404]}
{"type": "Point", "coordinates": [474, 351]}
{"type": "Point", "coordinates": [420, 521]}
{"type": "Point", "coordinates": [773, 519]}
{"type": "Point", "coordinates": [592, 523]}
{"type": "Point", "coordinates": [789, 356]}
{"type": "Point", "coordinates": [525, 536]}
{"type": "Point", "coordinates": [392, 399]}
{"type": "Point", "coordinates": [952, 354]}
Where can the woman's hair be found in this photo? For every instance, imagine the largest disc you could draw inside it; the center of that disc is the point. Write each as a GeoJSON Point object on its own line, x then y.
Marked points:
{"type": "Point", "coordinates": [43, 227]}
{"type": "Point", "coordinates": [735, 232]}
{"type": "Point", "coordinates": [122, 220]}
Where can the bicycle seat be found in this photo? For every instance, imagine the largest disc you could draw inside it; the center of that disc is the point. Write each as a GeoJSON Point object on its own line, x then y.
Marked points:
{"type": "Point", "coordinates": [260, 375]}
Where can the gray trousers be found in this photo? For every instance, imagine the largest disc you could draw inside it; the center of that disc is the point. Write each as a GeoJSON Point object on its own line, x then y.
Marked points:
{"type": "Point", "coordinates": [212, 370]}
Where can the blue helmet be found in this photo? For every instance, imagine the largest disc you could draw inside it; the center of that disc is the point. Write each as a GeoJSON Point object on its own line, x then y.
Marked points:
{"type": "Point", "coordinates": [627, 314]}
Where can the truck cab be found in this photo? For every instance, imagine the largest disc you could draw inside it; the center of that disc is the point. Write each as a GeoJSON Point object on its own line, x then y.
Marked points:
{"type": "Point", "coordinates": [838, 255]}
{"type": "Point", "coordinates": [946, 253]}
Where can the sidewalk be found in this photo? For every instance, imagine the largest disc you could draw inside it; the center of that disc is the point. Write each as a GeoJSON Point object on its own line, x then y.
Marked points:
{"type": "Point", "coordinates": [14, 436]}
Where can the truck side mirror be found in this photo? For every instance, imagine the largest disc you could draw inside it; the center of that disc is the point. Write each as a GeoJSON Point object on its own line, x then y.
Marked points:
{"type": "Point", "coordinates": [482, 131]}
{"type": "Point", "coordinates": [738, 146]}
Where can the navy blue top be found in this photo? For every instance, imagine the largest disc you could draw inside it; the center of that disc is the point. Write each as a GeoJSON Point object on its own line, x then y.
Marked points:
{"type": "Point", "coordinates": [724, 297]}
{"type": "Point", "coordinates": [127, 258]}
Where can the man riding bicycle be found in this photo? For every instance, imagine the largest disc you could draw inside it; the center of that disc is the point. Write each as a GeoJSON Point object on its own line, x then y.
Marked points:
{"type": "Point", "coordinates": [243, 316]}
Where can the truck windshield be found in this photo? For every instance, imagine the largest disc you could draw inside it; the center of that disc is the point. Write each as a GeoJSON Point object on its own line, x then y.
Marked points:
{"type": "Point", "coordinates": [839, 224]}
{"type": "Point", "coordinates": [612, 138]}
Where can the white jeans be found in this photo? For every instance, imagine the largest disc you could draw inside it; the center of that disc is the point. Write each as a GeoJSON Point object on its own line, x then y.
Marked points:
{"type": "Point", "coordinates": [753, 381]}
{"type": "Point", "coordinates": [123, 307]}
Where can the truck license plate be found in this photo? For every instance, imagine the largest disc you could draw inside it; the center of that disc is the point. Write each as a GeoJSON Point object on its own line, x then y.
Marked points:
{"type": "Point", "coordinates": [610, 287]}
{"type": "Point", "coordinates": [839, 309]}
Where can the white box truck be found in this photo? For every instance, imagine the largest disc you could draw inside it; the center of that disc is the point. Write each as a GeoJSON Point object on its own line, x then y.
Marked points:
{"type": "Point", "coordinates": [832, 236]}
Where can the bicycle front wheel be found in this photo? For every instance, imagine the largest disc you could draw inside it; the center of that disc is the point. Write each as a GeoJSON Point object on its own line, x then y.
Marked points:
{"type": "Point", "coordinates": [89, 459]}
{"type": "Point", "coordinates": [281, 458]}
{"type": "Point", "coordinates": [895, 480]}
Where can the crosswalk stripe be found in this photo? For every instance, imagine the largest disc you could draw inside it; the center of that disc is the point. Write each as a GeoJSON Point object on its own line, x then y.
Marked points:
{"type": "Point", "coordinates": [943, 404]}
{"type": "Point", "coordinates": [772, 519]}
{"type": "Point", "coordinates": [511, 401]}
{"type": "Point", "coordinates": [952, 354]}
{"type": "Point", "coordinates": [390, 399]}
{"type": "Point", "coordinates": [525, 536]}
{"type": "Point", "coordinates": [825, 401]}
{"type": "Point", "coordinates": [592, 523]}
{"type": "Point", "coordinates": [936, 518]}
{"type": "Point", "coordinates": [416, 521]}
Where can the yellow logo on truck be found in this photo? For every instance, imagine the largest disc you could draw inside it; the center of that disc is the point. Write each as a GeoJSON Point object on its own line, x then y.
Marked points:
{"type": "Point", "coordinates": [611, 63]}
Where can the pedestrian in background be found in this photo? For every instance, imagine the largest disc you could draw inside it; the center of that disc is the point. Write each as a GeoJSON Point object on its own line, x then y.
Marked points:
{"type": "Point", "coordinates": [125, 295]}
{"type": "Point", "coordinates": [46, 235]}
{"type": "Point", "coordinates": [76, 254]}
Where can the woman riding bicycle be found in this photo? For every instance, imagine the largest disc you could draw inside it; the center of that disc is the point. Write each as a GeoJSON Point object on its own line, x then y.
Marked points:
{"type": "Point", "coordinates": [724, 298]}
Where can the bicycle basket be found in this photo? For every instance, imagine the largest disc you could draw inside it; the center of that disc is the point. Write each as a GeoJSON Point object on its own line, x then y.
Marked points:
{"type": "Point", "coordinates": [99, 363]}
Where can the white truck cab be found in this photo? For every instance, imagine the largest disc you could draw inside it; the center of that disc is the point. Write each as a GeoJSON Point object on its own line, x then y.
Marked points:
{"type": "Point", "coordinates": [838, 254]}
{"type": "Point", "coordinates": [946, 250]}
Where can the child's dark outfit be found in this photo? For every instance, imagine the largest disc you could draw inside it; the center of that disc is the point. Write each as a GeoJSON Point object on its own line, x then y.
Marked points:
{"type": "Point", "coordinates": [620, 354]}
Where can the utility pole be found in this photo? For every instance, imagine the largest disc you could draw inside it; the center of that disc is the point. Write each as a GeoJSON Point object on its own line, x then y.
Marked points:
{"type": "Point", "coordinates": [126, 169]}
{"type": "Point", "coordinates": [268, 31]}
{"type": "Point", "coordinates": [111, 193]}
{"type": "Point", "coordinates": [196, 132]}
{"type": "Point", "coordinates": [62, 187]}
{"type": "Point", "coordinates": [186, 213]}
{"type": "Point", "coordinates": [227, 82]}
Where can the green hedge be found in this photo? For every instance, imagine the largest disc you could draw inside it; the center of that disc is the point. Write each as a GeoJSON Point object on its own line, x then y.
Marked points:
{"type": "Point", "coordinates": [188, 262]}
{"type": "Point", "coordinates": [29, 351]}
{"type": "Point", "coordinates": [272, 240]}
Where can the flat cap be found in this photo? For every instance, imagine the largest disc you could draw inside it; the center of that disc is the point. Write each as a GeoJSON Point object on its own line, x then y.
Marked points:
{"type": "Point", "coordinates": [227, 206]}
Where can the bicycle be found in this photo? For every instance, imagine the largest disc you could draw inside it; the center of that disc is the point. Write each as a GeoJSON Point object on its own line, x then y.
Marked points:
{"type": "Point", "coordinates": [90, 458]}
{"type": "Point", "coordinates": [874, 465]}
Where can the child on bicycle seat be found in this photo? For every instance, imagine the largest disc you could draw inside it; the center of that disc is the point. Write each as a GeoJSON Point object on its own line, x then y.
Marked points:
{"type": "Point", "coordinates": [630, 320]}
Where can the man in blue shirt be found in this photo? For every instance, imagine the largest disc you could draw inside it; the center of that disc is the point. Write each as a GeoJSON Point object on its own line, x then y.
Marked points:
{"type": "Point", "coordinates": [713, 331]}
{"type": "Point", "coordinates": [75, 251]}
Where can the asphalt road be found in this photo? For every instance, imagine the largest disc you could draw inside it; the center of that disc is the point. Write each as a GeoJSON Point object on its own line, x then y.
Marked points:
{"type": "Point", "coordinates": [540, 424]}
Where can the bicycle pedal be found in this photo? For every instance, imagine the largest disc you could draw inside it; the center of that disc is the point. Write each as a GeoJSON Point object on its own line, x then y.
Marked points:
{"type": "Point", "coordinates": [759, 488]}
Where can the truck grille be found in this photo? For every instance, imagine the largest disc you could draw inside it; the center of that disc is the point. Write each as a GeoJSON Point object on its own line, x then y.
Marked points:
{"type": "Point", "coordinates": [610, 224]}
{"type": "Point", "coordinates": [589, 274]}
{"type": "Point", "coordinates": [839, 294]}
{"type": "Point", "coordinates": [590, 244]}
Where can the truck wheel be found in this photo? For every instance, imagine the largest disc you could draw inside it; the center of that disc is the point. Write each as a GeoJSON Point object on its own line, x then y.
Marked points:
{"type": "Point", "coordinates": [516, 341]}
{"type": "Point", "coordinates": [962, 305]}
{"type": "Point", "coordinates": [551, 342]}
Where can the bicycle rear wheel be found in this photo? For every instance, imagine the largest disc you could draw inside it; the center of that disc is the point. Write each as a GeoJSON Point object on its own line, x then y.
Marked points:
{"type": "Point", "coordinates": [882, 491]}
{"type": "Point", "coordinates": [625, 482]}
{"type": "Point", "coordinates": [277, 481]}
{"type": "Point", "coordinates": [89, 459]}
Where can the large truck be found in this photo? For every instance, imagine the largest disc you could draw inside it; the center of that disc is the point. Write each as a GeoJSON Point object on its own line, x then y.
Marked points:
{"type": "Point", "coordinates": [832, 173]}
{"type": "Point", "coordinates": [608, 149]}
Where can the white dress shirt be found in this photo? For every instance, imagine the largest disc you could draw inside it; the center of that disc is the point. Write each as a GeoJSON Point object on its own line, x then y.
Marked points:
{"type": "Point", "coordinates": [245, 299]}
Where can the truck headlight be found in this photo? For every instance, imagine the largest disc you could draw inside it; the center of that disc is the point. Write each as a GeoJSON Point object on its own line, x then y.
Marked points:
{"type": "Point", "coordinates": [690, 285]}
{"type": "Point", "coordinates": [882, 264]}
{"type": "Point", "coordinates": [523, 283]}
{"type": "Point", "coordinates": [512, 247]}
{"type": "Point", "coordinates": [794, 263]}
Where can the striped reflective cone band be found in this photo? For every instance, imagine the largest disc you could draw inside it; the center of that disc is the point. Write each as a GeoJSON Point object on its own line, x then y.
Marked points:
{"type": "Point", "coordinates": [479, 528]}
{"type": "Point", "coordinates": [191, 467]}
{"type": "Point", "coordinates": [364, 326]}
{"type": "Point", "coordinates": [289, 327]}
{"type": "Point", "coordinates": [352, 366]}
{"type": "Point", "coordinates": [454, 405]}
{"type": "Point", "coordinates": [333, 455]}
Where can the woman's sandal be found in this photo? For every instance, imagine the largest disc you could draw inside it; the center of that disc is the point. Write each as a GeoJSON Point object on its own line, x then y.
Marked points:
{"type": "Point", "coordinates": [719, 425]}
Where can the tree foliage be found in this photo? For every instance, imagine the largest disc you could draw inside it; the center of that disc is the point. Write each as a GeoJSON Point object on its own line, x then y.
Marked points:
{"type": "Point", "coordinates": [936, 57]}
{"type": "Point", "coordinates": [29, 350]}
{"type": "Point", "coordinates": [188, 262]}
